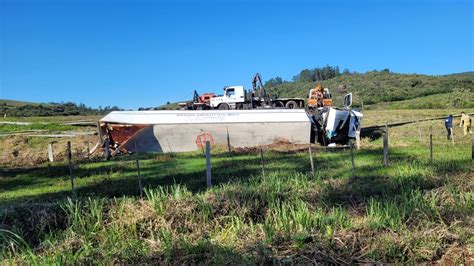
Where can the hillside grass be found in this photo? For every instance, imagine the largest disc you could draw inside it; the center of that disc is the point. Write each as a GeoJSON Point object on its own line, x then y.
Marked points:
{"type": "Point", "coordinates": [18, 109]}
{"type": "Point", "coordinates": [15, 103]}
{"type": "Point", "coordinates": [383, 116]}
{"type": "Point", "coordinates": [412, 211]}
{"type": "Point", "coordinates": [435, 101]}
{"type": "Point", "coordinates": [376, 87]}
{"type": "Point", "coordinates": [170, 106]}
{"type": "Point", "coordinates": [380, 87]}
{"type": "Point", "coordinates": [462, 75]}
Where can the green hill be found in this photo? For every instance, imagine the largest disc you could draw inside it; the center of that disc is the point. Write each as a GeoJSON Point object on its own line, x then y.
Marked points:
{"type": "Point", "coordinates": [404, 91]}
{"type": "Point", "coordinates": [381, 86]}
{"type": "Point", "coordinates": [4, 102]}
{"type": "Point", "coordinates": [434, 101]}
{"type": "Point", "coordinates": [463, 75]}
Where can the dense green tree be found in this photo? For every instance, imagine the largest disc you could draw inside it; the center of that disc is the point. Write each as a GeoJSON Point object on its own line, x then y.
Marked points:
{"type": "Point", "coordinates": [274, 82]}
{"type": "Point", "coordinates": [304, 76]}
{"type": "Point", "coordinates": [317, 74]}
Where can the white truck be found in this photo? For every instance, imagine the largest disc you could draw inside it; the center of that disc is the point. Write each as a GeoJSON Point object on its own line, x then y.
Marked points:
{"type": "Point", "coordinates": [236, 97]}
{"type": "Point", "coordinates": [334, 125]}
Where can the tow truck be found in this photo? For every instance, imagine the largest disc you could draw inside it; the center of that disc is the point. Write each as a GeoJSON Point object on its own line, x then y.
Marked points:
{"type": "Point", "coordinates": [236, 97]}
{"type": "Point", "coordinates": [199, 102]}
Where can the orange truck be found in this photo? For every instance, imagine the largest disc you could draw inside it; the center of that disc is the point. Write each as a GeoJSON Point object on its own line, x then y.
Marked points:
{"type": "Point", "coordinates": [319, 97]}
{"type": "Point", "coordinates": [200, 102]}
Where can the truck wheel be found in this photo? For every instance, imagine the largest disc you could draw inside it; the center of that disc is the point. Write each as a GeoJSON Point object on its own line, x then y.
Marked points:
{"type": "Point", "coordinates": [278, 104]}
{"type": "Point", "coordinates": [291, 105]}
{"type": "Point", "coordinates": [223, 106]}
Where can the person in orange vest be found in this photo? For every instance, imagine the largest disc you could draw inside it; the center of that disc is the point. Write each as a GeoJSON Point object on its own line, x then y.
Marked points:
{"type": "Point", "coordinates": [465, 123]}
{"type": "Point", "coordinates": [319, 95]}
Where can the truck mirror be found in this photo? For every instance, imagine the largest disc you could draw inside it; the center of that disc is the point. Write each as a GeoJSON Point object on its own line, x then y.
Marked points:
{"type": "Point", "coordinates": [348, 100]}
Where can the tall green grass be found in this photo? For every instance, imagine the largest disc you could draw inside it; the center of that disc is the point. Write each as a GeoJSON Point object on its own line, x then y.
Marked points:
{"type": "Point", "coordinates": [412, 211]}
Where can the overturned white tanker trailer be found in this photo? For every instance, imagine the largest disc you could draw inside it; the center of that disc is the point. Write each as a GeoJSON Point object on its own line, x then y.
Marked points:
{"type": "Point", "coordinates": [181, 131]}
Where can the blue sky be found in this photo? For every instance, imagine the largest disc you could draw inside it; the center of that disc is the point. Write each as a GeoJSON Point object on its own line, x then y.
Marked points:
{"type": "Point", "coordinates": [145, 53]}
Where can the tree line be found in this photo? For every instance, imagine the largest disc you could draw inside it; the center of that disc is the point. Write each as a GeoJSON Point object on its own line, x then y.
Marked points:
{"type": "Point", "coordinates": [311, 75]}
{"type": "Point", "coordinates": [53, 109]}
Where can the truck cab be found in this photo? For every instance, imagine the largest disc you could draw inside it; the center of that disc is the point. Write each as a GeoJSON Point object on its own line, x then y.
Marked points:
{"type": "Point", "coordinates": [233, 95]}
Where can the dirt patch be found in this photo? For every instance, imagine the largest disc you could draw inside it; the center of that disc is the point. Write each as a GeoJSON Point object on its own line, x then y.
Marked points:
{"type": "Point", "coordinates": [29, 151]}
{"type": "Point", "coordinates": [280, 145]}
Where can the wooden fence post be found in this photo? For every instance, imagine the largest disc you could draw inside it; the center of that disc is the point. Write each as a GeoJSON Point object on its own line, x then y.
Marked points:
{"type": "Point", "coordinates": [50, 152]}
{"type": "Point", "coordinates": [472, 147]}
{"type": "Point", "coordinates": [311, 159]}
{"type": "Point", "coordinates": [208, 164]}
{"type": "Point", "coordinates": [228, 142]}
{"type": "Point", "coordinates": [352, 154]}
{"type": "Point", "coordinates": [431, 147]}
{"type": "Point", "coordinates": [262, 161]}
{"type": "Point", "coordinates": [452, 135]}
{"type": "Point", "coordinates": [357, 137]}
{"type": "Point", "coordinates": [139, 178]}
{"type": "Point", "coordinates": [385, 146]}
{"type": "Point", "coordinates": [69, 156]}
{"type": "Point", "coordinates": [138, 172]}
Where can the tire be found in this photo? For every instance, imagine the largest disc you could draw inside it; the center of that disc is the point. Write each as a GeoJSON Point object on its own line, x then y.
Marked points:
{"type": "Point", "coordinates": [223, 106]}
{"type": "Point", "coordinates": [278, 104]}
{"type": "Point", "coordinates": [291, 105]}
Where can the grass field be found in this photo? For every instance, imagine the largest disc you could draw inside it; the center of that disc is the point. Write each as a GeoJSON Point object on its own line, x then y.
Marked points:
{"type": "Point", "coordinates": [412, 211]}
{"type": "Point", "coordinates": [380, 117]}
{"type": "Point", "coordinates": [51, 119]}
{"type": "Point", "coordinates": [434, 101]}
{"type": "Point", "coordinates": [11, 128]}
